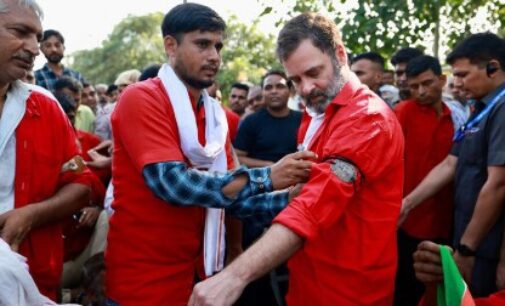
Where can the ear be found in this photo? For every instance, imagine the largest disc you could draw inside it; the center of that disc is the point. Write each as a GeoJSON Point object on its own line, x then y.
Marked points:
{"type": "Point", "coordinates": [492, 67]}
{"type": "Point", "coordinates": [170, 44]}
{"type": "Point", "coordinates": [341, 54]}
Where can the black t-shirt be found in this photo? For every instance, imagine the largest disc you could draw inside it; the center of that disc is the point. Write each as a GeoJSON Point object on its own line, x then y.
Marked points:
{"type": "Point", "coordinates": [266, 137]}
{"type": "Point", "coordinates": [483, 146]}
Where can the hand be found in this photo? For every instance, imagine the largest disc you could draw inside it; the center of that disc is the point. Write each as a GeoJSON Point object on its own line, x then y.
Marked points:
{"type": "Point", "coordinates": [500, 275]}
{"type": "Point", "coordinates": [295, 191]}
{"type": "Point", "coordinates": [292, 169]}
{"type": "Point", "coordinates": [427, 263]}
{"type": "Point", "coordinates": [98, 160]}
{"type": "Point", "coordinates": [106, 144]}
{"type": "Point", "coordinates": [89, 216]}
{"type": "Point", "coordinates": [15, 225]}
{"type": "Point", "coordinates": [223, 289]}
{"type": "Point", "coordinates": [404, 212]}
{"type": "Point", "coordinates": [465, 265]}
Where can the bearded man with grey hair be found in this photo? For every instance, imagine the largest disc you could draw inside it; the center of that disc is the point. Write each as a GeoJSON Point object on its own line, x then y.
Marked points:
{"type": "Point", "coordinates": [42, 177]}
{"type": "Point", "coordinates": [339, 233]}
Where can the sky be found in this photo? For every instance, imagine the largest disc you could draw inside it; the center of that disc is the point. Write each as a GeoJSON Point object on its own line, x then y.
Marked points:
{"type": "Point", "coordinates": [85, 24]}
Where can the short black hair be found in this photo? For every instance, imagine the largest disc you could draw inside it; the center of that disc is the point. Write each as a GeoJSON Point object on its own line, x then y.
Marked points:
{"type": "Point", "coordinates": [422, 64]}
{"type": "Point", "coordinates": [241, 86]}
{"type": "Point", "coordinates": [110, 89]}
{"type": "Point", "coordinates": [278, 72]}
{"type": "Point", "coordinates": [405, 55]}
{"type": "Point", "coordinates": [67, 82]}
{"type": "Point", "coordinates": [374, 57]}
{"type": "Point", "coordinates": [149, 72]}
{"type": "Point", "coordinates": [50, 33]}
{"type": "Point", "coordinates": [86, 84]}
{"type": "Point", "coordinates": [479, 49]}
{"type": "Point", "coordinates": [189, 17]}
{"type": "Point", "coordinates": [67, 102]}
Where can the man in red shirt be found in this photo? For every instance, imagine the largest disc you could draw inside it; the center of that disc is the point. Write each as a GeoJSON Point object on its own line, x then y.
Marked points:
{"type": "Point", "coordinates": [167, 133]}
{"type": "Point", "coordinates": [428, 130]}
{"type": "Point", "coordinates": [339, 233]}
{"type": "Point", "coordinates": [42, 178]}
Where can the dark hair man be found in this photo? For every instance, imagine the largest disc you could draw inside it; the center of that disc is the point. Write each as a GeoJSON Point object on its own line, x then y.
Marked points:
{"type": "Point", "coordinates": [369, 67]}
{"type": "Point", "coordinates": [89, 96]}
{"type": "Point", "coordinates": [84, 118]}
{"type": "Point", "coordinates": [184, 134]}
{"type": "Point", "coordinates": [255, 98]}
{"type": "Point", "coordinates": [238, 98]}
{"type": "Point", "coordinates": [388, 77]}
{"type": "Point", "coordinates": [476, 162]}
{"type": "Point", "coordinates": [52, 46]}
{"type": "Point", "coordinates": [400, 60]}
{"type": "Point", "coordinates": [428, 130]}
{"type": "Point", "coordinates": [43, 180]}
{"type": "Point", "coordinates": [339, 232]}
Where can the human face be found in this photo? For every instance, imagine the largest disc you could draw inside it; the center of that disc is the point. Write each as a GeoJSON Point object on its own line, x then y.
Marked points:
{"type": "Point", "coordinates": [255, 98]}
{"type": "Point", "coordinates": [20, 31]}
{"type": "Point", "coordinates": [238, 100]}
{"type": "Point", "coordinates": [388, 78]}
{"type": "Point", "coordinates": [53, 49]}
{"type": "Point", "coordinates": [316, 76]}
{"type": "Point", "coordinates": [427, 87]}
{"type": "Point", "coordinates": [275, 92]}
{"type": "Point", "coordinates": [29, 78]}
{"type": "Point", "coordinates": [196, 58]}
{"type": "Point", "coordinates": [88, 97]}
{"type": "Point", "coordinates": [401, 76]}
{"type": "Point", "coordinates": [102, 94]}
{"type": "Point", "coordinates": [471, 79]}
{"type": "Point", "coordinates": [368, 73]}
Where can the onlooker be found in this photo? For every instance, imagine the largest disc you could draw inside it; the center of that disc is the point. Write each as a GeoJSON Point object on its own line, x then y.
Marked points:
{"type": "Point", "coordinates": [52, 46]}
{"type": "Point", "coordinates": [369, 67]}
{"type": "Point", "coordinates": [428, 130]}
{"type": "Point", "coordinates": [43, 179]}
{"type": "Point", "coordinates": [238, 98]}
{"type": "Point", "coordinates": [476, 162]}
{"type": "Point", "coordinates": [89, 97]}
{"type": "Point", "coordinates": [388, 77]}
{"type": "Point", "coordinates": [400, 60]}
{"type": "Point", "coordinates": [255, 99]}
{"type": "Point", "coordinates": [84, 118]}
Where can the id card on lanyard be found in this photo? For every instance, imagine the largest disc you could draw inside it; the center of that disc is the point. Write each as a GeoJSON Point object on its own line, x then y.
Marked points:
{"type": "Point", "coordinates": [461, 133]}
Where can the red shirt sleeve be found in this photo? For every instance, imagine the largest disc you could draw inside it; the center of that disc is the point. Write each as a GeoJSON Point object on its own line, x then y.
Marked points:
{"type": "Point", "coordinates": [324, 198]}
{"type": "Point", "coordinates": [144, 123]}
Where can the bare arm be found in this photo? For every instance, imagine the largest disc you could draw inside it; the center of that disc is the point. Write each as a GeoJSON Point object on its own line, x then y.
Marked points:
{"type": "Point", "coordinates": [276, 246]}
{"type": "Point", "coordinates": [438, 177]}
{"type": "Point", "coordinates": [500, 271]}
{"type": "Point", "coordinates": [17, 223]}
{"type": "Point", "coordinates": [251, 162]}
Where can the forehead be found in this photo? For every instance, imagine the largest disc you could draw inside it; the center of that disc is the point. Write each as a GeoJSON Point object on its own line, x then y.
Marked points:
{"type": "Point", "coordinates": [400, 66]}
{"type": "Point", "coordinates": [274, 79]}
{"type": "Point", "coordinates": [21, 15]}
{"type": "Point", "coordinates": [423, 76]}
{"type": "Point", "coordinates": [363, 64]}
{"type": "Point", "coordinates": [237, 91]}
{"type": "Point", "coordinates": [304, 58]}
{"type": "Point", "coordinates": [463, 64]}
{"type": "Point", "coordinates": [216, 36]}
{"type": "Point", "coordinates": [52, 40]}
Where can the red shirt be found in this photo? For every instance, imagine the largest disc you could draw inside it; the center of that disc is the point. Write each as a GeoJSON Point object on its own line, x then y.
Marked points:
{"type": "Point", "coordinates": [154, 247]}
{"type": "Point", "coordinates": [45, 140]}
{"type": "Point", "coordinates": [88, 141]}
{"type": "Point", "coordinates": [497, 299]}
{"type": "Point", "coordinates": [428, 140]}
{"type": "Point", "coordinates": [233, 122]}
{"type": "Point", "coordinates": [349, 254]}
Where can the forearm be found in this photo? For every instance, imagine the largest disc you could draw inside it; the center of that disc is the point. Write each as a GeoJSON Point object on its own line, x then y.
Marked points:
{"type": "Point", "coordinates": [68, 200]}
{"type": "Point", "coordinates": [275, 247]}
{"type": "Point", "coordinates": [261, 209]}
{"type": "Point", "coordinates": [487, 211]}
{"type": "Point", "coordinates": [438, 177]}
{"type": "Point", "coordinates": [253, 162]}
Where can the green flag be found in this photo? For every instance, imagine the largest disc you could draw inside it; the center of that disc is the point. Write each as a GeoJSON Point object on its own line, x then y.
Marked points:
{"type": "Point", "coordinates": [453, 291]}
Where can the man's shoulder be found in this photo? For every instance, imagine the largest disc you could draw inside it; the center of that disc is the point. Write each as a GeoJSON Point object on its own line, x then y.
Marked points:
{"type": "Point", "coordinates": [146, 96]}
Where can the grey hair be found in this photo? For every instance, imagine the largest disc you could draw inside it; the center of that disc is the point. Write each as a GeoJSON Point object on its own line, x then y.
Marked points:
{"type": "Point", "coordinates": [27, 3]}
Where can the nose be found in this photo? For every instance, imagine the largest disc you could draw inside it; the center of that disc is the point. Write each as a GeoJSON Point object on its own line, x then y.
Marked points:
{"type": "Point", "coordinates": [32, 45]}
{"type": "Point", "coordinates": [214, 55]}
{"type": "Point", "coordinates": [458, 82]}
{"type": "Point", "coordinates": [305, 87]}
{"type": "Point", "coordinates": [421, 90]}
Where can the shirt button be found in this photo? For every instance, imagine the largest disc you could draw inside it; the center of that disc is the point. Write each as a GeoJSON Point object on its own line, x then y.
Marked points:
{"type": "Point", "coordinates": [261, 186]}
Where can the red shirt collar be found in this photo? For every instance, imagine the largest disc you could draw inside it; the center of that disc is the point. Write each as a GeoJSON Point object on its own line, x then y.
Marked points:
{"type": "Point", "coordinates": [348, 91]}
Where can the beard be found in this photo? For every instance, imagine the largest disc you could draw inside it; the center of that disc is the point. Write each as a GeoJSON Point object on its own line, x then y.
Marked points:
{"type": "Point", "coordinates": [54, 58]}
{"type": "Point", "coordinates": [317, 100]}
{"type": "Point", "coordinates": [183, 74]}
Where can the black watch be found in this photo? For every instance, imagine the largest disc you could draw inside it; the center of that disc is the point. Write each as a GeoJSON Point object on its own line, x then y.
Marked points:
{"type": "Point", "coordinates": [465, 250]}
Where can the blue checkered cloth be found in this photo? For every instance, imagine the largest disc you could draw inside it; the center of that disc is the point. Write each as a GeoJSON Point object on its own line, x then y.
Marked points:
{"type": "Point", "coordinates": [175, 183]}
{"type": "Point", "coordinates": [46, 78]}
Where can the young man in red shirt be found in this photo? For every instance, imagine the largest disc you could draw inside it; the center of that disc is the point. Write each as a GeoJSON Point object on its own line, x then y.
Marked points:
{"type": "Point", "coordinates": [428, 130]}
{"type": "Point", "coordinates": [42, 178]}
{"type": "Point", "coordinates": [339, 233]}
{"type": "Point", "coordinates": [167, 133]}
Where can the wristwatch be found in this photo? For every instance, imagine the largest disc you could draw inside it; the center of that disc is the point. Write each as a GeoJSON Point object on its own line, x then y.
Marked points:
{"type": "Point", "coordinates": [465, 250]}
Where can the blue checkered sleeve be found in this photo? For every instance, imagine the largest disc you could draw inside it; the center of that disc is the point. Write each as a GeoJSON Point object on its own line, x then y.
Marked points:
{"type": "Point", "coordinates": [174, 182]}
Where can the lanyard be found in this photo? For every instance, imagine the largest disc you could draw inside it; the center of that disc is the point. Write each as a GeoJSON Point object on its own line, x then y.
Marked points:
{"type": "Point", "coordinates": [460, 134]}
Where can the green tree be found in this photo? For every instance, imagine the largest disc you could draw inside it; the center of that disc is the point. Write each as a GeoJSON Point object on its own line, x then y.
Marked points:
{"type": "Point", "coordinates": [134, 43]}
{"type": "Point", "coordinates": [247, 54]}
{"type": "Point", "coordinates": [386, 25]}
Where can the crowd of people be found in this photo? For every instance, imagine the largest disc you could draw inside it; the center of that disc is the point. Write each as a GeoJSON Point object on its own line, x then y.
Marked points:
{"type": "Point", "coordinates": [331, 182]}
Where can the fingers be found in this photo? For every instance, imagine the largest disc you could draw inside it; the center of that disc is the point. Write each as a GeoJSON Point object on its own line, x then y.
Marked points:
{"type": "Point", "coordinates": [303, 155]}
{"type": "Point", "coordinates": [430, 247]}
